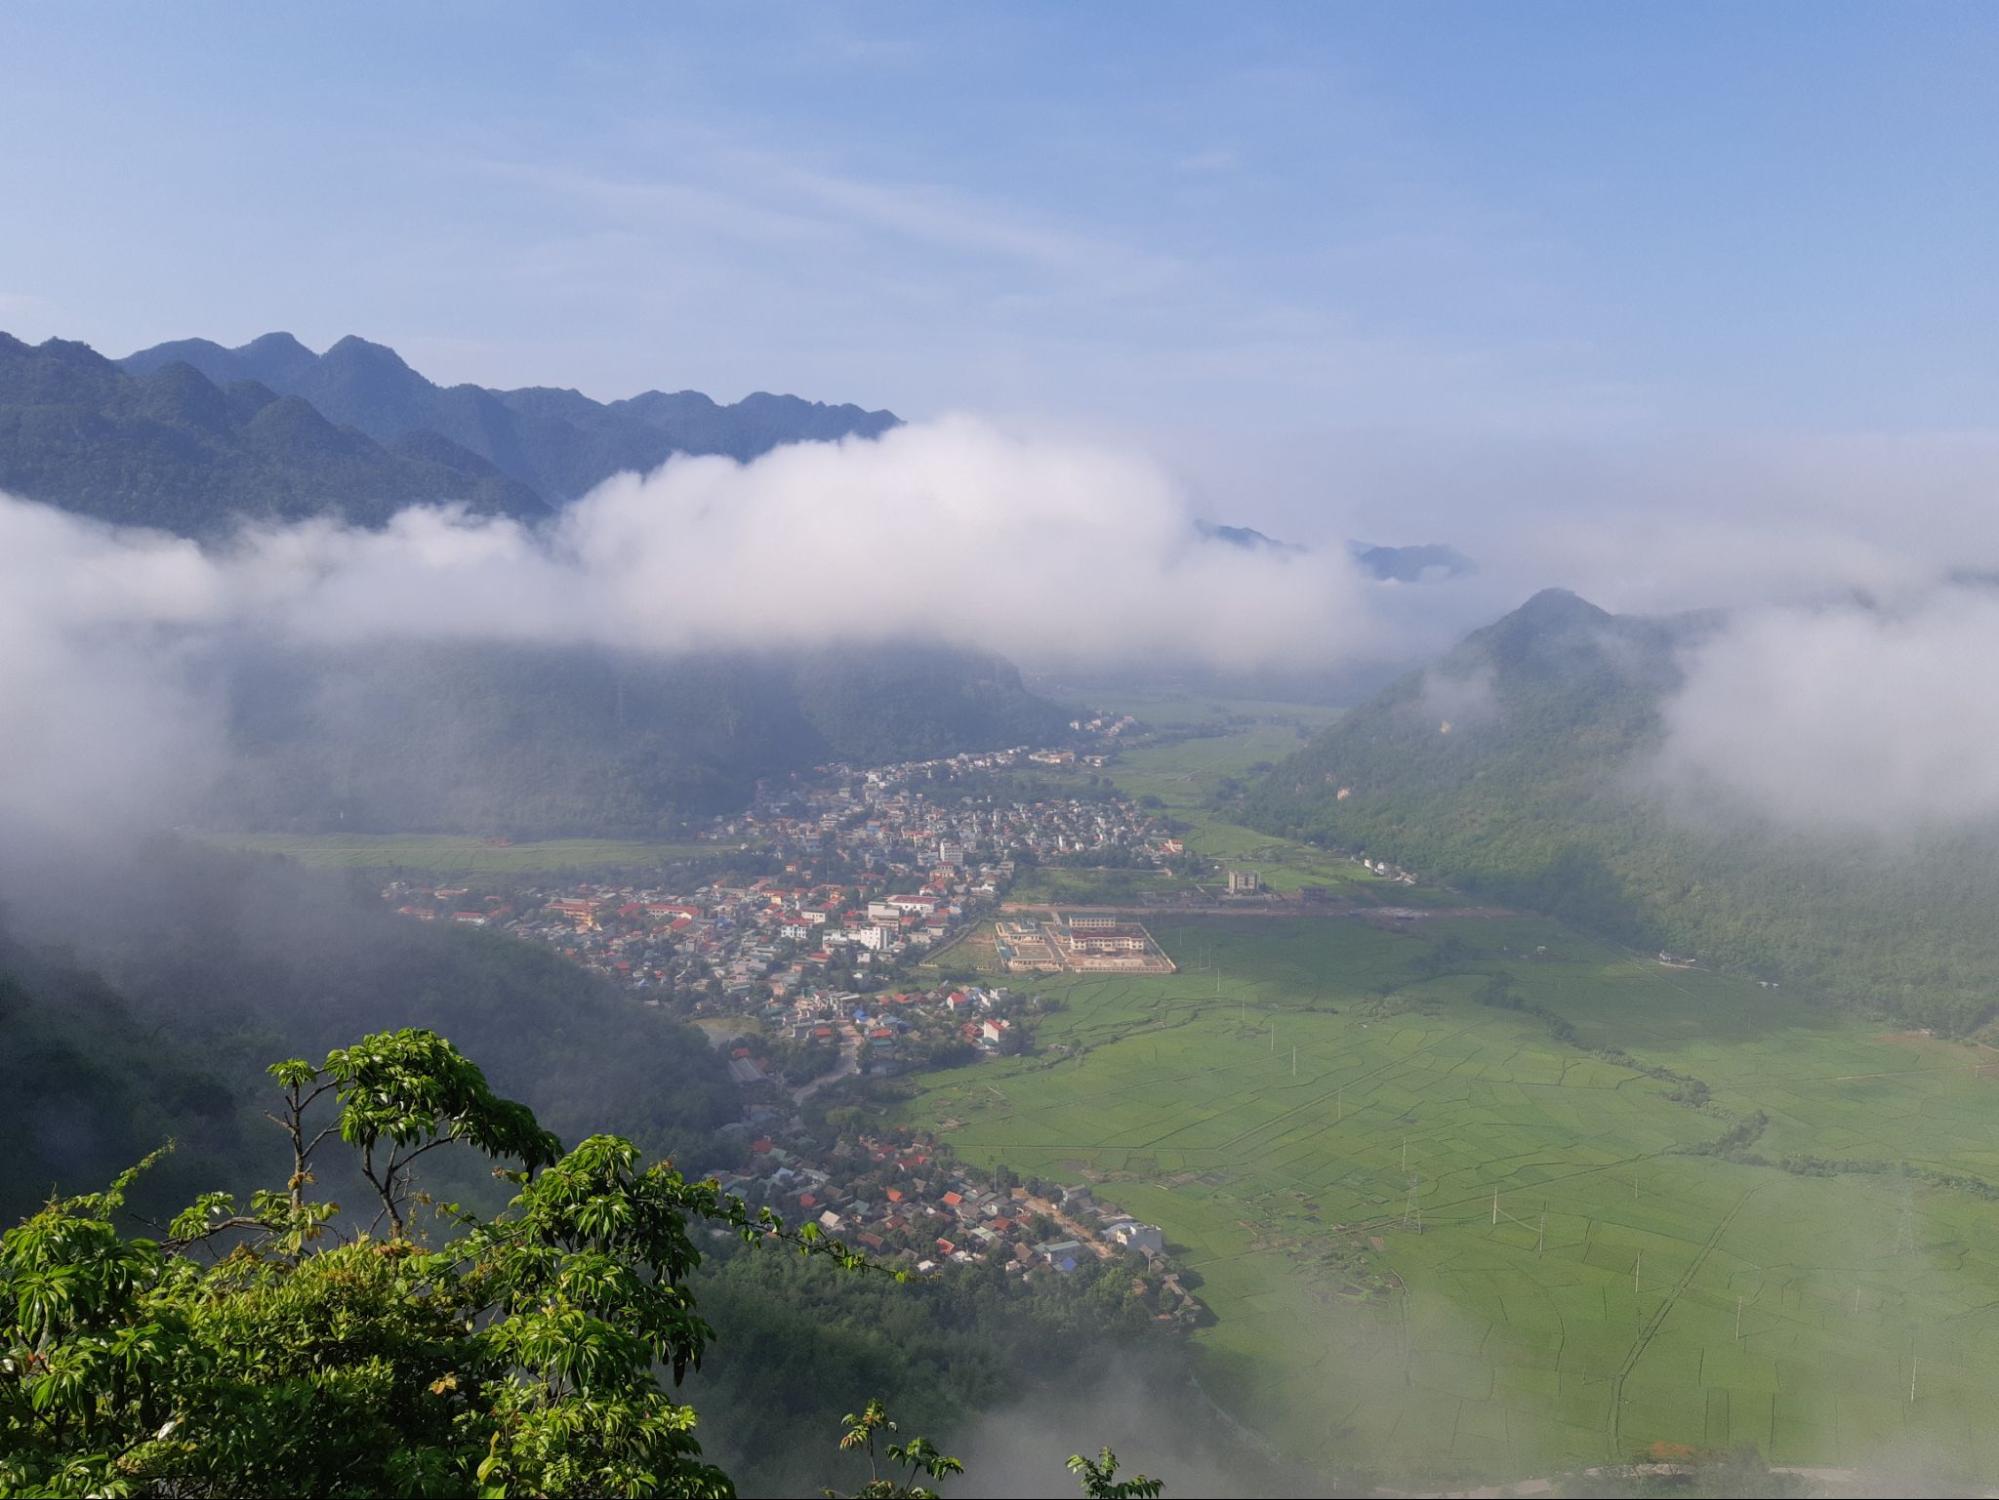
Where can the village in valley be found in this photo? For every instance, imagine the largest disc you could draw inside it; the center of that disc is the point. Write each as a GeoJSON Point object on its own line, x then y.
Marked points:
{"type": "Point", "coordinates": [813, 946]}
{"type": "Point", "coordinates": [824, 907]}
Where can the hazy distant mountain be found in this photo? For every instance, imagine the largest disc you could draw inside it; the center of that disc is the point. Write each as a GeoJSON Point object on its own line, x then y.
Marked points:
{"type": "Point", "coordinates": [171, 448]}
{"type": "Point", "coordinates": [1244, 537]}
{"type": "Point", "coordinates": [557, 442]}
{"type": "Point", "coordinates": [1426, 563]}
{"type": "Point", "coordinates": [1517, 767]}
{"type": "Point", "coordinates": [1418, 564]}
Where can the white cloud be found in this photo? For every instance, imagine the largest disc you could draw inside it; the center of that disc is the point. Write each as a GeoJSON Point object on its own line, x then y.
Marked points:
{"type": "Point", "coordinates": [1850, 718]}
{"type": "Point", "coordinates": [953, 531]}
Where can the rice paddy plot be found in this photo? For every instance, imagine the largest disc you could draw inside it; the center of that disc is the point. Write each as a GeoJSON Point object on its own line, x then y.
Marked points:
{"type": "Point", "coordinates": [1568, 1278]}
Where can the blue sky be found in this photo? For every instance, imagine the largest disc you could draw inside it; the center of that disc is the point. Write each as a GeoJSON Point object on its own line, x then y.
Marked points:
{"type": "Point", "coordinates": [1219, 230]}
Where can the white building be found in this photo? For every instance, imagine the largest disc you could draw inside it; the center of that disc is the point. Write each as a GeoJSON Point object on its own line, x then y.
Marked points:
{"type": "Point", "coordinates": [1147, 1239]}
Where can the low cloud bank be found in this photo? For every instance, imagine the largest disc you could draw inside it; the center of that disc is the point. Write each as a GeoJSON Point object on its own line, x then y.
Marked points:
{"type": "Point", "coordinates": [951, 532]}
{"type": "Point", "coordinates": [1855, 718]}
{"type": "Point", "coordinates": [111, 642]}
{"type": "Point", "coordinates": [1055, 552]}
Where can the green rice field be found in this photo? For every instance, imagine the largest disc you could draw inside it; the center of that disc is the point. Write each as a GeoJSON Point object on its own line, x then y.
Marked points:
{"type": "Point", "coordinates": [1440, 1240]}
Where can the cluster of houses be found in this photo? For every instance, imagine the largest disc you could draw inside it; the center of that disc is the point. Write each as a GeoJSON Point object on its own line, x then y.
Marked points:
{"type": "Point", "coordinates": [902, 812]}
{"type": "Point", "coordinates": [906, 1200]}
{"type": "Point", "coordinates": [875, 866]}
{"type": "Point", "coordinates": [904, 1028]}
{"type": "Point", "coordinates": [758, 939]}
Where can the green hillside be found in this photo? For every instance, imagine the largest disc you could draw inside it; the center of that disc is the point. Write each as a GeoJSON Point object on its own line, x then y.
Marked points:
{"type": "Point", "coordinates": [1516, 768]}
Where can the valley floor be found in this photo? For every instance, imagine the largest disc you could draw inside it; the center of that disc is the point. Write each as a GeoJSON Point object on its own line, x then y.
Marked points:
{"type": "Point", "coordinates": [1441, 1239]}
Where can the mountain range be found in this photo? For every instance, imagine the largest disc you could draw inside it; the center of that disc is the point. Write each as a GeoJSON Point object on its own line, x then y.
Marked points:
{"type": "Point", "coordinates": [174, 450]}
{"type": "Point", "coordinates": [1521, 767]}
{"type": "Point", "coordinates": [192, 437]}
{"type": "Point", "coordinates": [558, 443]}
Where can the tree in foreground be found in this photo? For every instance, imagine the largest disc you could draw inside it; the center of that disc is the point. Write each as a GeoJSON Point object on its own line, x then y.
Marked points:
{"type": "Point", "coordinates": [1098, 1476]}
{"type": "Point", "coordinates": [263, 1348]}
{"type": "Point", "coordinates": [918, 1458]}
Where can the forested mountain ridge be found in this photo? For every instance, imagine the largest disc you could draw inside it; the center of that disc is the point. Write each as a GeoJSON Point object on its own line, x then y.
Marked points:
{"type": "Point", "coordinates": [559, 443]}
{"type": "Point", "coordinates": [172, 449]}
{"type": "Point", "coordinates": [1520, 767]}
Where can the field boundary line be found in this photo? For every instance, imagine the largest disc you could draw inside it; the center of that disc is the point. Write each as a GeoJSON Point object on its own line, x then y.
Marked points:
{"type": "Point", "coordinates": [1658, 1319]}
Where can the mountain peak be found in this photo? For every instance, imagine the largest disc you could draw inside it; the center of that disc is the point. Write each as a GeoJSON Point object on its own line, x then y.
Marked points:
{"type": "Point", "coordinates": [277, 342]}
{"type": "Point", "coordinates": [1553, 622]}
{"type": "Point", "coordinates": [1560, 607]}
{"type": "Point", "coordinates": [353, 349]}
{"type": "Point", "coordinates": [1558, 640]}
